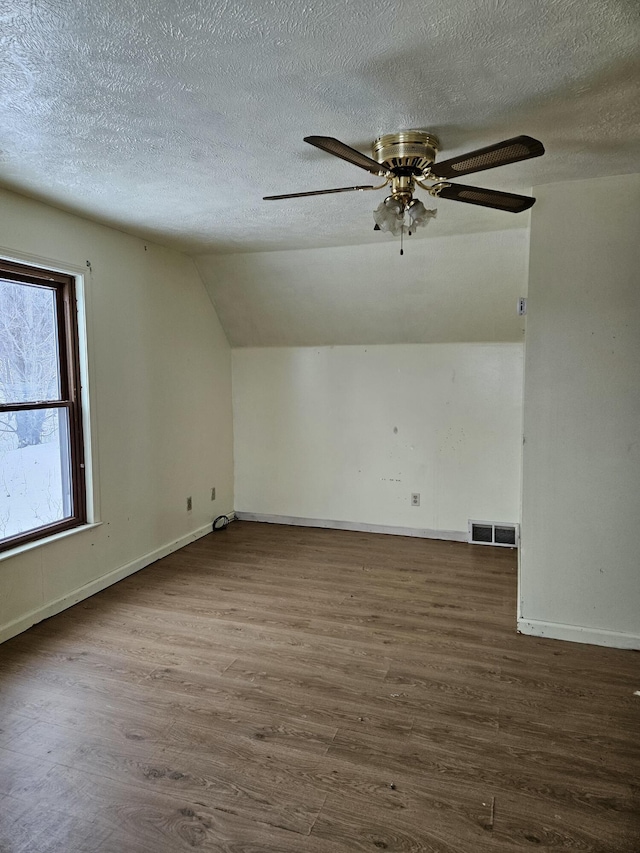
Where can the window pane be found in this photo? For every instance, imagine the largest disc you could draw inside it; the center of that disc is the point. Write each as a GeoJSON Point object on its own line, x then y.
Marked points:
{"type": "Point", "coordinates": [29, 370]}
{"type": "Point", "coordinates": [35, 480]}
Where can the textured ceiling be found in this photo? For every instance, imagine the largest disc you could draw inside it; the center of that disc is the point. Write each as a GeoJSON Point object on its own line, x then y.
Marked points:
{"type": "Point", "coordinates": [172, 119]}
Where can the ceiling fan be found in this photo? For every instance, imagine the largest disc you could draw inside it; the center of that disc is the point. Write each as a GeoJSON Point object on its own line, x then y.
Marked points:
{"type": "Point", "coordinates": [407, 160]}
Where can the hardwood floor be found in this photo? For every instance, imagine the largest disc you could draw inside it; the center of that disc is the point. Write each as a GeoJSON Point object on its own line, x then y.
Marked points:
{"type": "Point", "coordinates": [285, 690]}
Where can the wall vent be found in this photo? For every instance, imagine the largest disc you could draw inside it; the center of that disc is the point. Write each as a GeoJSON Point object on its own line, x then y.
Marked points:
{"type": "Point", "coordinates": [494, 533]}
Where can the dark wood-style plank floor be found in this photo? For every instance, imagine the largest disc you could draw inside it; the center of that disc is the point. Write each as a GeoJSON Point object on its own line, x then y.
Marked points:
{"type": "Point", "coordinates": [281, 690]}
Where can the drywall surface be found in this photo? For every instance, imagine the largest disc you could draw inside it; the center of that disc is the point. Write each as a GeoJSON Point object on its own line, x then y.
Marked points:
{"type": "Point", "coordinates": [442, 290]}
{"type": "Point", "coordinates": [348, 433]}
{"type": "Point", "coordinates": [581, 474]}
{"type": "Point", "coordinates": [160, 396]}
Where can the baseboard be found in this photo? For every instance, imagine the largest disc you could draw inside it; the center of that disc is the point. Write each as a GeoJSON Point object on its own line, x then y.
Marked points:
{"type": "Point", "coordinates": [578, 634]}
{"type": "Point", "coordinates": [420, 532]}
{"type": "Point", "coordinates": [17, 626]}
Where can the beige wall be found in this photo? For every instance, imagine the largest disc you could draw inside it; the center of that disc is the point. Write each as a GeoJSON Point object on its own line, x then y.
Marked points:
{"type": "Point", "coordinates": [348, 433]}
{"type": "Point", "coordinates": [580, 559]}
{"type": "Point", "coordinates": [160, 377]}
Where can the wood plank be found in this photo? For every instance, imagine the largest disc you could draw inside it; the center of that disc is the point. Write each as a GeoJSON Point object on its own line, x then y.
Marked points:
{"type": "Point", "coordinates": [25, 827]}
{"type": "Point", "coordinates": [202, 775]}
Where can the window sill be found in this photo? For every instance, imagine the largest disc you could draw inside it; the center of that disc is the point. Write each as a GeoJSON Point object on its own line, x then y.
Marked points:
{"type": "Point", "coordinates": [29, 546]}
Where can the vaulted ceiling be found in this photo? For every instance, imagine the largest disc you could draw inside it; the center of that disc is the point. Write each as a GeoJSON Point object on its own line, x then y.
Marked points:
{"type": "Point", "coordinates": [172, 119]}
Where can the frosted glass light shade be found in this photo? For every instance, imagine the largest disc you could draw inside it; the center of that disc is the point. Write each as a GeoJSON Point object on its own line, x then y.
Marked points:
{"type": "Point", "coordinates": [418, 214]}
{"type": "Point", "coordinates": [389, 215]}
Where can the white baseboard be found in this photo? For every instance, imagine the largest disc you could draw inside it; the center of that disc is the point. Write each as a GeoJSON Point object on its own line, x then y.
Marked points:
{"type": "Point", "coordinates": [578, 634]}
{"type": "Point", "coordinates": [421, 533]}
{"type": "Point", "coordinates": [17, 626]}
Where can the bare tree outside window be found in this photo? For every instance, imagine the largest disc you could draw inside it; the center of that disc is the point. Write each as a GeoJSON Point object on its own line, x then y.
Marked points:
{"type": "Point", "coordinates": [28, 358]}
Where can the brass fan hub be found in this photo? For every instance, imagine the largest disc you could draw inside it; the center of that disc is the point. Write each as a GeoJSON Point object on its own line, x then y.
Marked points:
{"type": "Point", "coordinates": [402, 188]}
{"type": "Point", "coordinates": [409, 152]}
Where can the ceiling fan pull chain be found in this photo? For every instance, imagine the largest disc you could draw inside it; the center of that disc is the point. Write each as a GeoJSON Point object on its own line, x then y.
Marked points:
{"type": "Point", "coordinates": [401, 239]}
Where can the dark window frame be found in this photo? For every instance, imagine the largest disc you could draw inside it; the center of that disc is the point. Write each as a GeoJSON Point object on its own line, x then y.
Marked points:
{"type": "Point", "coordinates": [64, 287]}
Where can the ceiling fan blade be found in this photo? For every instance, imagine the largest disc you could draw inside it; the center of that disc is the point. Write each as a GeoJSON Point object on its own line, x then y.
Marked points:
{"type": "Point", "coordinates": [339, 149]}
{"type": "Point", "coordinates": [316, 192]}
{"type": "Point", "coordinates": [509, 151]}
{"type": "Point", "coordinates": [487, 198]}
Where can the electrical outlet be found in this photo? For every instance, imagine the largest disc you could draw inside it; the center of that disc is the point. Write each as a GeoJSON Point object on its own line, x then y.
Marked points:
{"type": "Point", "coordinates": [213, 494]}
{"type": "Point", "coordinates": [415, 498]}
{"type": "Point", "coordinates": [189, 504]}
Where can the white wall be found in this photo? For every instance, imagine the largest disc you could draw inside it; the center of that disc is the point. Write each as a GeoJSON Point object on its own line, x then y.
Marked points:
{"type": "Point", "coordinates": [161, 406]}
{"type": "Point", "coordinates": [348, 433]}
{"type": "Point", "coordinates": [580, 558]}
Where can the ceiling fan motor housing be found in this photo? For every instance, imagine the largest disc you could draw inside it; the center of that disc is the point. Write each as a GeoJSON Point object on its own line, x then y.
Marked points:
{"type": "Point", "coordinates": [408, 153]}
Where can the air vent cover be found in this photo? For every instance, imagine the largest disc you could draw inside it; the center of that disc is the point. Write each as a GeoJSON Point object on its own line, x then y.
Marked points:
{"type": "Point", "coordinates": [482, 533]}
{"type": "Point", "coordinates": [494, 533]}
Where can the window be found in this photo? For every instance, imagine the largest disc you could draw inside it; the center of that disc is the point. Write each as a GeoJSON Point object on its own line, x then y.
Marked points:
{"type": "Point", "coordinates": [42, 484]}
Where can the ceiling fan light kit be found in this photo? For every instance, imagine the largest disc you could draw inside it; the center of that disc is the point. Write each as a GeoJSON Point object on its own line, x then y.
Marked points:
{"type": "Point", "coordinates": [407, 160]}
{"type": "Point", "coordinates": [391, 213]}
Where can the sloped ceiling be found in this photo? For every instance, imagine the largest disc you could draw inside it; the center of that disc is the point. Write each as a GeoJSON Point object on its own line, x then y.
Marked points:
{"type": "Point", "coordinates": [444, 290]}
{"type": "Point", "coordinates": [172, 119]}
